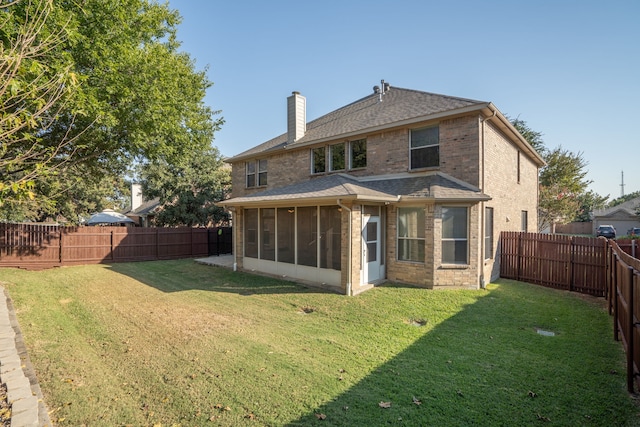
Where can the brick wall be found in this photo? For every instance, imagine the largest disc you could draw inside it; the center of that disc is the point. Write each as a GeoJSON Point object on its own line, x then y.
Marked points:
{"type": "Point", "coordinates": [460, 148]}
{"type": "Point", "coordinates": [458, 276]}
{"type": "Point", "coordinates": [420, 274]}
{"type": "Point", "coordinates": [509, 197]}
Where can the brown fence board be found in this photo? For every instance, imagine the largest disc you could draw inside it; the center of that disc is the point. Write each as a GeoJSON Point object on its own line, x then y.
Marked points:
{"type": "Point", "coordinates": [38, 246]}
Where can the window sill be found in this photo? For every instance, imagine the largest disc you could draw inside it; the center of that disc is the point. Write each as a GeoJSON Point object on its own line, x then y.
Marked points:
{"type": "Point", "coordinates": [426, 169]}
{"type": "Point", "coordinates": [410, 262]}
{"type": "Point", "coordinates": [256, 187]}
{"type": "Point", "coordinates": [454, 266]}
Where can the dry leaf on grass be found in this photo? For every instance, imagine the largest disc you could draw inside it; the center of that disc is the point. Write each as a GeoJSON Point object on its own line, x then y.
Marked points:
{"type": "Point", "coordinates": [321, 416]}
{"type": "Point", "coordinates": [384, 404]}
{"type": "Point", "coordinates": [417, 401]}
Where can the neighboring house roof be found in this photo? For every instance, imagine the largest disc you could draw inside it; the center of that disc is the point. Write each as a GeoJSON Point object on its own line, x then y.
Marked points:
{"type": "Point", "coordinates": [146, 208]}
{"type": "Point", "coordinates": [434, 185]}
{"type": "Point", "coordinates": [627, 209]}
{"type": "Point", "coordinates": [398, 107]}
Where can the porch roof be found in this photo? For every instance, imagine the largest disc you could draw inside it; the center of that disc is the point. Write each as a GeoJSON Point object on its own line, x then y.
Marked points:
{"type": "Point", "coordinates": [391, 189]}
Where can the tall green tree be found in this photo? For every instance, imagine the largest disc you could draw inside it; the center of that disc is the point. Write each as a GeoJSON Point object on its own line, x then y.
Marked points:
{"type": "Point", "coordinates": [188, 190]}
{"type": "Point", "coordinates": [589, 202]}
{"type": "Point", "coordinates": [563, 187]}
{"type": "Point", "coordinates": [36, 80]}
{"type": "Point", "coordinates": [137, 97]}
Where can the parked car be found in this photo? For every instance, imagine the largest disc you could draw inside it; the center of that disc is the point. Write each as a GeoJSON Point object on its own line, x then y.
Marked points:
{"type": "Point", "coordinates": [607, 231]}
{"type": "Point", "coordinates": [635, 231]}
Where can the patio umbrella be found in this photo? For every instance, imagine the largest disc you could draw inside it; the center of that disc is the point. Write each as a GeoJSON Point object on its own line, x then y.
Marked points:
{"type": "Point", "coordinates": [109, 217]}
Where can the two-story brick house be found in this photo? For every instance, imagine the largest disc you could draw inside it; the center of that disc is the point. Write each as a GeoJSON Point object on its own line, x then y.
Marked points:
{"type": "Point", "coordinates": [400, 185]}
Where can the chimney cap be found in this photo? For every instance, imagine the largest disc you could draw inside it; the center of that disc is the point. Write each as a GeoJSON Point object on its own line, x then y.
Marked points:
{"type": "Point", "coordinates": [295, 92]}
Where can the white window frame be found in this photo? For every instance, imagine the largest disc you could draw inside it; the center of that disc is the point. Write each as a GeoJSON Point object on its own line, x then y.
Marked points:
{"type": "Point", "coordinates": [456, 239]}
{"type": "Point", "coordinates": [400, 239]}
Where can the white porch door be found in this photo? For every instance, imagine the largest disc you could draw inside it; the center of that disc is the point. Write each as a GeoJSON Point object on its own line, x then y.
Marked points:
{"type": "Point", "coordinates": [371, 270]}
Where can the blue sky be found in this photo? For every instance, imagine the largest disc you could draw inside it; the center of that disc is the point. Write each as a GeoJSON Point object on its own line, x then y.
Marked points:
{"type": "Point", "coordinates": [570, 69]}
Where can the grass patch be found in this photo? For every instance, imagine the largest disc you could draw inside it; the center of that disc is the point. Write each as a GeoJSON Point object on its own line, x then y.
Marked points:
{"type": "Point", "coordinates": [173, 342]}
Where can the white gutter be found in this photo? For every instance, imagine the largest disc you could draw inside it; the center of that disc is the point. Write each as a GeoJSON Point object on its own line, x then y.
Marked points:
{"type": "Point", "coordinates": [339, 203]}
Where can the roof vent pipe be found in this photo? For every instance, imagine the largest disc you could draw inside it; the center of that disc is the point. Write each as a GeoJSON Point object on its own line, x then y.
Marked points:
{"type": "Point", "coordinates": [384, 88]}
{"type": "Point", "coordinates": [296, 117]}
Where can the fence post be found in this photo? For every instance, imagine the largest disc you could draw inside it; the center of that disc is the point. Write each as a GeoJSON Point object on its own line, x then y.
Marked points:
{"type": "Point", "coordinates": [519, 268]}
{"type": "Point", "coordinates": [571, 263]}
{"type": "Point", "coordinates": [616, 333]}
{"type": "Point", "coordinates": [630, 339]}
{"type": "Point", "coordinates": [60, 247]}
{"type": "Point", "coordinates": [609, 278]}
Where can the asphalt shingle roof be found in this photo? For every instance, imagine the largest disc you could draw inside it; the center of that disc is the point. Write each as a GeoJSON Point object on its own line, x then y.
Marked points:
{"type": "Point", "coordinates": [145, 208]}
{"type": "Point", "coordinates": [629, 207]}
{"type": "Point", "coordinates": [436, 186]}
{"type": "Point", "coordinates": [397, 105]}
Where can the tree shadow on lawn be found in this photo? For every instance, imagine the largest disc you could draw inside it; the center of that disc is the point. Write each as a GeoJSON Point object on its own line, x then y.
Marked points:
{"type": "Point", "coordinates": [186, 275]}
{"type": "Point", "coordinates": [469, 370]}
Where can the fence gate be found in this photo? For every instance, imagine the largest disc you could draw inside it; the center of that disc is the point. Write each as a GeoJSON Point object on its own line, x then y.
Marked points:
{"type": "Point", "coordinates": [220, 241]}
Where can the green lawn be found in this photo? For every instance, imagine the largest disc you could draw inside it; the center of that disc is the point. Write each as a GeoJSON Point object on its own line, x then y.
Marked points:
{"type": "Point", "coordinates": [177, 343]}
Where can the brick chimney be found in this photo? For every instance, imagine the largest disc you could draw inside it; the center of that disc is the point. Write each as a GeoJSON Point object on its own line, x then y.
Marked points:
{"type": "Point", "coordinates": [296, 117]}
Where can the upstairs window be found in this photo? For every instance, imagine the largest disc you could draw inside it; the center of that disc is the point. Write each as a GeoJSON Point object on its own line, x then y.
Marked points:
{"type": "Point", "coordinates": [251, 174]}
{"type": "Point", "coordinates": [358, 153]}
{"type": "Point", "coordinates": [257, 173]}
{"type": "Point", "coordinates": [425, 147]}
{"type": "Point", "coordinates": [318, 160]}
{"type": "Point", "coordinates": [336, 156]}
{"type": "Point", "coordinates": [339, 157]}
{"type": "Point", "coordinates": [262, 172]}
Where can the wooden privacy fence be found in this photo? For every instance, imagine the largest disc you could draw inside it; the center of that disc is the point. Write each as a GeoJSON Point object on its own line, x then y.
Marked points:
{"type": "Point", "coordinates": [43, 246]}
{"type": "Point", "coordinates": [557, 261]}
{"type": "Point", "coordinates": [623, 296]}
{"type": "Point", "coordinates": [630, 246]}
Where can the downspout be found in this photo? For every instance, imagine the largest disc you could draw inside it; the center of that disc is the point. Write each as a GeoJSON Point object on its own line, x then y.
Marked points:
{"type": "Point", "coordinates": [348, 291]}
{"type": "Point", "coordinates": [483, 283]}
